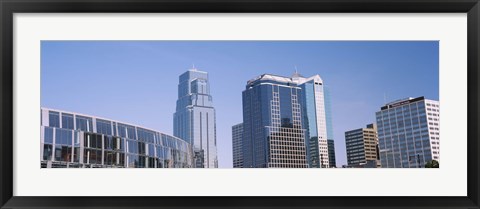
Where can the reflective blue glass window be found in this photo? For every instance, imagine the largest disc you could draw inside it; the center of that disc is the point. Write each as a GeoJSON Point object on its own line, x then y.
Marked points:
{"type": "Point", "coordinates": [159, 152]}
{"type": "Point", "coordinates": [151, 150]}
{"type": "Point", "coordinates": [67, 121]}
{"type": "Point", "coordinates": [132, 146]}
{"type": "Point", "coordinates": [104, 127]}
{"type": "Point", "coordinates": [84, 123]}
{"type": "Point", "coordinates": [145, 135]}
{"type": "Point", "coordinates": [54, 119]}
{"type": "Point", "coordinates": [126, 131]}
{"type": "Point", "coordinates": [48, 138]}
{"type": "Point", "coordinates": [63, 136]}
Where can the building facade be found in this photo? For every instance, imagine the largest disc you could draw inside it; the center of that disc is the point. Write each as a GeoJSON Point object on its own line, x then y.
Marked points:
{"type": "Point", "coordinates": [194, 119]}
{"type": "Point", "coordinates": [237, 136]}
{"type": "Point", "coordinates": [332, 162]}
{"type": "Point", "coordinates": [362, 146]}
{"type": "Point", "coordinates": [409, 133]}
{"type": "Point", "coordinates": [330, 140]}
{"type": "Point", "coordinates": [316, 119]}
{"type": "Point", "coordinates": [72, 140]}
{"type": "Point", "coordinates": [273, 135]}
{"type": "Point", "coordinates": [282, 113]}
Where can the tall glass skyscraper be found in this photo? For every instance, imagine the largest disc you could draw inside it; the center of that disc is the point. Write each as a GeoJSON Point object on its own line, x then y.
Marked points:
{"type": "Point", "coordinates": [285, 122]}
{"type": "Point", "coordinates": [317, 119]}
{"type": "Point", "coordinates": [194, 119]}
{"type": "Point", "coordinates": [273, 135]}
{"type": "Point", "coordinates": [328, 118]}
{"type": "Point", "coordinates": [408, 133]}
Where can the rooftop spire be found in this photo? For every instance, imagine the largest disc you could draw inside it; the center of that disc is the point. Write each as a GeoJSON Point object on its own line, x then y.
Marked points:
{"type": "Point", "coordinates": [296, 74]}
{"type": "Point", "coordinates": [193, 66]}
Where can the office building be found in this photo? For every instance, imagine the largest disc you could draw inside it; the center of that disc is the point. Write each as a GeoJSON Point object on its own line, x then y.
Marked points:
{"type": "Point", "coordinates": [316, 119]}
{"type": "Point", "coordinates": [72, 140]}
{"type": "Point", "coordinates": [328, 117]}
{"type": "Point", "coordinates": [332, 162]}
{"type": "Point", "coordinates": [194, 119]}
{"type": "Point", "coordinates": [237, 133]}
{"type": "Point", "coordinates": [409, 133]}
{"type": "Point", "coordinates": [273, 135]}
{"type": "Point", "coordinates": [362, 146]}
{"type": "Point", "coordinates": [285, 122]}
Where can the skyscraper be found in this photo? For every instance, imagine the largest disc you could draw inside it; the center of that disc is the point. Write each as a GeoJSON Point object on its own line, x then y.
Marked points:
{"type": "Point", "coordinates": [273, 135]}
{"type": "Point", "coordinates": [362, 146]}
{"type": "Point", "coordinates": [237, 133]}
{"type": "Point", "coordinates": [328, 118]}
{"type": "Point", "coordinates": [316, 119]}
{"type": "Point", "coordinates": [194, 119]}
{"type": "Point", "coordinates": [408, 132]}
{"type": "Point", "coordinates": [285, 122]}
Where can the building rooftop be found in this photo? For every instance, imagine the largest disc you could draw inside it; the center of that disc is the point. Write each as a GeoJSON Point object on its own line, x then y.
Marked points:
{"type": "Point", "coordinates": [296, 78]}
{"type": "Point", "coordinates": [401, 102]}
{"type": "Point", "coordinates": [106, 119]}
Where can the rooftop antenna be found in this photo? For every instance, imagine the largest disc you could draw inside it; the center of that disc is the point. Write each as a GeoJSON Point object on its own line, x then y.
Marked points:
{"type": "Point", "coordinates": [193, 66]}
{"type": "Point", "coordinates": [296, 70]}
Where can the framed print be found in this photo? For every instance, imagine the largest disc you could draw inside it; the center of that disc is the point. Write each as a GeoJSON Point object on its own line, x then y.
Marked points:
{"type": "Point", "coordinates": [233, 104]}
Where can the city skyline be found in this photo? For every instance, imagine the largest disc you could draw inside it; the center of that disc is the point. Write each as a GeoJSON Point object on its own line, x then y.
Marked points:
{"type": "Point", "coordinates": [147, 67]}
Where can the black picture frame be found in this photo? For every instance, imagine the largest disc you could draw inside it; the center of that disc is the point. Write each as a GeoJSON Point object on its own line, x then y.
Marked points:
{"type": "Point", "coordinates": [9, 7]}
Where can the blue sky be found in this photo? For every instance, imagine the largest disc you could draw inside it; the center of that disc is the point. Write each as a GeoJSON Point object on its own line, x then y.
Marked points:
{"type": "Point", "coordinates": [136, 81]}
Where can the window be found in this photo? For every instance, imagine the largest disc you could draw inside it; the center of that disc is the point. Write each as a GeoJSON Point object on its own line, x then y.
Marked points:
{"type": "Point", "coordinates": [76, 155]}
{"type": "Point", "coordinates": [47, 152]}
{"type": "Point", "coordinates": [54, 119]}
{"type": "Point", "coordinates": [67, 121]}
{"type": "Point", "coordinates": [99, 141]}
{"type": "Point", "coordinates": [110, 158]}
{"type": "Point", "coordinates": [63, 136]}
{"type": "Point", "coordinates": [132, 146]}
{"type": "Point", "coordinates": [48, 138]}
{"type": "Point", "coordinates": [84, 123]}
{"type": "Point", "coordinates": [58, 152]}
{"type": "Point", "coordinates": [108, 142]}
{"type": "Point", "coordinates": [118, 144]}
{"type": "Point", "coordinates": [151, 150]}
{"type": "Point", "coordinates": [104, 127]}
{"type": "Point", "coordinates": [93, 156]}
{"type": "Point", "coordinates": [115, 129]}
{"type": "Point", "coordinates": [145, 135]}
{"type": "Point", "coordinates": [126, 131]}
{"type": "Point", "coordinates": [141, 148]}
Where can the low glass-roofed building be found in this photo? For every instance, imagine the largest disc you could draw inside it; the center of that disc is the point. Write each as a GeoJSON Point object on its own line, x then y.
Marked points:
{"type": "Point", "coordinates": [72, 140]}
